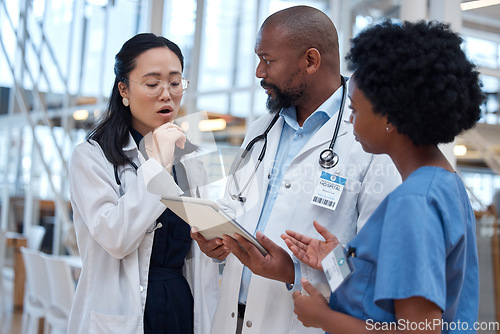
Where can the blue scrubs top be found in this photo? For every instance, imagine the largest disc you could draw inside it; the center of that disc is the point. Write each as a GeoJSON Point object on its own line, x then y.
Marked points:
{"type": "Point", "coordinates": [420, 241]}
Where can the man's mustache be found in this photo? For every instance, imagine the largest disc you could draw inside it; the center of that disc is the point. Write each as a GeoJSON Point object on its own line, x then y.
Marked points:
{"type": "Point", "coordinates": [267, 85]}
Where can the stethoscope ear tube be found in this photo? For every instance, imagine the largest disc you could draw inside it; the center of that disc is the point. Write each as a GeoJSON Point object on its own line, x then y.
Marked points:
{"type": "Point", "coordinates": [117, 178]}
{"type": "Point", "coordinates": [247, 149]}
{"type": "Point", "coordinates": [328, 158]}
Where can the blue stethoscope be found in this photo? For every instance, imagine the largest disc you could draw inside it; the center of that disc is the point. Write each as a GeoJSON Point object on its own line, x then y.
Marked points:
{"type": "Point", "coordinates": [327, 158]}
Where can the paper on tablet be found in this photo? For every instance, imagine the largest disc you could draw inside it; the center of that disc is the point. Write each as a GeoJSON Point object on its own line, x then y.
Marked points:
{"type": "Point", "coordinates": [206, 216]}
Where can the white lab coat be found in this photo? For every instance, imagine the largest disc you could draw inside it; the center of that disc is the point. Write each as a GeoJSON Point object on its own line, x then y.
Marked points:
{"type": "Point", "coordinates": [113, 228]}
{"type": "Point", "coordinates": [370, 178]}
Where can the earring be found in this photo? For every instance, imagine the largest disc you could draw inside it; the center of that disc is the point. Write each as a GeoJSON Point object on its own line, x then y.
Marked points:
{"type": "Point", "coordinates": [387, 128]}
{"type": "Point", "coordinates": [125, 101]}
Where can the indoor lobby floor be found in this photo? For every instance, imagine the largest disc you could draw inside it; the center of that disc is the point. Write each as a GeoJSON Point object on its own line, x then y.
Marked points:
{"type": "Point", "coordinates": [10, 319]}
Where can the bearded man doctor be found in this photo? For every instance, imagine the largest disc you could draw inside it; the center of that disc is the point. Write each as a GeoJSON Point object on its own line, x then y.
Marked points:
{"type": "Point", "coordinates": [303, 164]}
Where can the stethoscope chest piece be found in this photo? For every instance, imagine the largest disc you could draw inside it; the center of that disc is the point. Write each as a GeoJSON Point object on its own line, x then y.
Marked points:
{"type": "Point", "coordinates": [238, 198]}
{"type": "Point", "coordinates": [328, 158]}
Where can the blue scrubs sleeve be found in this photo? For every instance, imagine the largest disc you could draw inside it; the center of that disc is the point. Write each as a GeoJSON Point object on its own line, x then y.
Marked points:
{"type": "Point", "coordinates": [412, 247]}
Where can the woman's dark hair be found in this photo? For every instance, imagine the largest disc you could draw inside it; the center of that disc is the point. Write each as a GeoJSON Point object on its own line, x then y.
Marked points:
{"type": "Point", "coordinates": [417, 75]}
{"type": "Point", "coordinates": [112, 132]}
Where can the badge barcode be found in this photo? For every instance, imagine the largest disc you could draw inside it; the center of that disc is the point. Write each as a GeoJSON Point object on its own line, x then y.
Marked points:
{"type": "Point", "coordinates": [328, 275]}
{"type": "Point", "coordinates": [323, 201]}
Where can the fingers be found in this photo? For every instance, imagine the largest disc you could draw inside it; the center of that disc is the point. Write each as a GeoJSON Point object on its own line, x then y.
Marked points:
{"type": "Point", "coordinates": [167, 129]}
{"type": "Point", "coordinates": [238, 250]}
{"type": "Point", "coordinates": [168, 125]}
{"type": "Point", "coordinates": [195, 235]}
{"type": "Point", "coordinates": [174, 132]}
{"type": "Point", "coordinates": [212, 248]}
{"type": "Point", "coordinates": [176, 136]}
{"type": "Point", "coordinates": [266, 242]}
{"type": "Point", "coordinates": [329, 237]}
{"type": "Point", "coordinates": [295, 250]}
{"type": "Point", "coordinates": [298, 248]}
{"type": "Point", "coordinates": [207, 246]}
{"type": "Point", "coordinates": [163, 142]}
{"type": "Point", "coordinates": [249, 247]}
{"type": "Point", "coordinates": [293, 242]}
{"type": "Point", "coordinates": [181, 140]}
{"type": "Point", "coordinates": [299, 237]}
{"type": "Point", "coordinates": [237, 244]}
{"type": "Point", "coordinates": [292, 234]}
{"type": "Point", "coordinates": [309, 288]}
{"type": "Point", "coordinates": [219, 253]}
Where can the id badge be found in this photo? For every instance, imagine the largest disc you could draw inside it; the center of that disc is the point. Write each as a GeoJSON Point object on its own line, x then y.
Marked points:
{"type": "Point", "coordinates": [336, 267]}
{"type": "Point", "coordinates": [328, 190]}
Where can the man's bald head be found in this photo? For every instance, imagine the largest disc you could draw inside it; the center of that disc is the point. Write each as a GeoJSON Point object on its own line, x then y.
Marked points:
{"type": "Point", "coordinates": [306, 27]}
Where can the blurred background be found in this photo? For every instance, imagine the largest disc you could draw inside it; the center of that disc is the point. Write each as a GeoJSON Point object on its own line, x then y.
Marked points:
{"type": "Point", "coordinates": [56, 73]}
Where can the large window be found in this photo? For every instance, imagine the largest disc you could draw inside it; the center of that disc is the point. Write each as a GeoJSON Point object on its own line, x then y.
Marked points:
{"type": "Point", "coordinates": [483, 52]}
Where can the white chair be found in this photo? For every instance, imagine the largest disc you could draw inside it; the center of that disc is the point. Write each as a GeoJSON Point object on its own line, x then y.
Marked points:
{"type": "Point", "coordinates": [62, 288]}
{"type": "Point", "coordinates": [34, 236]}
{"type": "Point", "coordinates": [37, 296]}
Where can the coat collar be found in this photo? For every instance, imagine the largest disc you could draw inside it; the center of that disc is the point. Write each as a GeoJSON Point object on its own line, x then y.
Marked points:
{"type": "Point", "coordinates": [130, 146]}
{"type": "Point", "coordinates": [325, 133]}
{"type": "Point", "coordinates": [332, 106]}
{"type": "Point", "coordinates": [322, 137]}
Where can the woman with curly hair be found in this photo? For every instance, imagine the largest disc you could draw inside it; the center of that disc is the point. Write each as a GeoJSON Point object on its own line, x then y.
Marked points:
{"type": "Point", "coordinates": [415, 266]}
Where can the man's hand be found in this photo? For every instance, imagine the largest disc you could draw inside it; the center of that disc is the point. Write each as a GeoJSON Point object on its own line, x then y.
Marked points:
{"type": "Point", "coordinates": [308, 250]}
{"type": "Point", "coordinates": [277, 264]}
{"type": "Point", "coordinates": [212, 248]}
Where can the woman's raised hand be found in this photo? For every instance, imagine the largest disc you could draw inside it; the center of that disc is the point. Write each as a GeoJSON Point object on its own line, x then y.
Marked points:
{"type": "Point", "coordinates": [160, 144]}
{"type": "Point", "coordinates": [308, 250]}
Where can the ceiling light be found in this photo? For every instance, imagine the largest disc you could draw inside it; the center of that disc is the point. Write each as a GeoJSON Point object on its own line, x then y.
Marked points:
{"type": "Point", "coordinates": [460, 150]}
{"type": "Point", "coordinates": [80, 115]}
{"type": "Point", "coordinates": [216, 124]}
{"type": "Point", "coordinates": [478, 4]}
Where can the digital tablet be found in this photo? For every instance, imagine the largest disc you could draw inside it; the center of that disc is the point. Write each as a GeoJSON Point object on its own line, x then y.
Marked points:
{"type": "Point", "coordinates": [207, 217]}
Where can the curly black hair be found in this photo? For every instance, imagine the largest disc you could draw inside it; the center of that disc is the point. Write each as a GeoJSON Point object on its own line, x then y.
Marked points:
{"type": "Point", "coordinates": [417, 75]}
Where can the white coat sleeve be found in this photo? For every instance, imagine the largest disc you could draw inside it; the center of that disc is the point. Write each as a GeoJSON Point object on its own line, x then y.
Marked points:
{"type": "Point", "coordinates": [117, 223]}
{"type": "Point", "coordinates": [158, 180]}
{"type": "Point", "coordinates": [381, 178]}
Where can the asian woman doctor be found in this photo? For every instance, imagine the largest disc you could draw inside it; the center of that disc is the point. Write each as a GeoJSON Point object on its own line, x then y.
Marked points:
{"type": "Point", "coordinates": [135, 276]}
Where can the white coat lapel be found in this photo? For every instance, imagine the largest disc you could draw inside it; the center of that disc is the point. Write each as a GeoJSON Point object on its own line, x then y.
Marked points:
{"type": "Point", "coordinates": [195, 173]}
{"type": "Point", "coordinates": [132, 151]}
